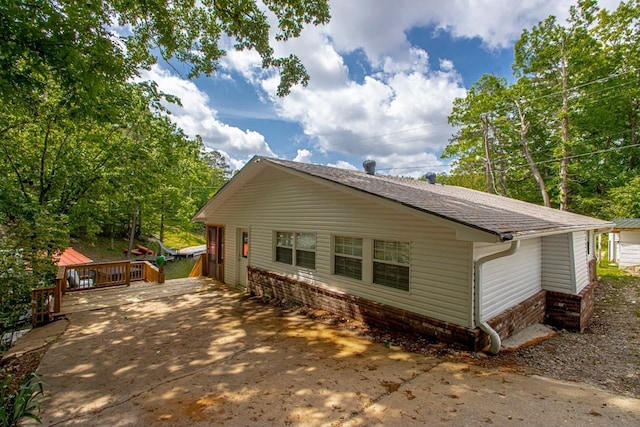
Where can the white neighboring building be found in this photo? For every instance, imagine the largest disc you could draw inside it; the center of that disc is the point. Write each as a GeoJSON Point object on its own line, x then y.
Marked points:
{"type": "Point", "coordinates": [624, 242]}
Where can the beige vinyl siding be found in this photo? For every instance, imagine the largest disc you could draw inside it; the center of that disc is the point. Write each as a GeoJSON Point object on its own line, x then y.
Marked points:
{"type": "Point", "coordinates": [629, 248]}
{"type": "Point", "coordinates": [440, 271]}
{"type": "Point", "coordinates": [510, 280]}
{"type": "Point", "coordinates": [557, 263]}
{"type": "Point", "coordinates": [580, 260]}
{"type": "Point", "coordinates": [230, 255]}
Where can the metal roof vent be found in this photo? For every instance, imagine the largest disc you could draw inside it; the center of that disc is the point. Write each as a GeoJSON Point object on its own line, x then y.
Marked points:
{"type": "Point", "coordinates": [430, 177]}
{"type": "Point", "coordinates": [369, 166]}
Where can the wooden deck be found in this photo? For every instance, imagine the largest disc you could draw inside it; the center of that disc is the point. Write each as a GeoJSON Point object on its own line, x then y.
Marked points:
{"type": "Point", "coordinates": [96, 299]}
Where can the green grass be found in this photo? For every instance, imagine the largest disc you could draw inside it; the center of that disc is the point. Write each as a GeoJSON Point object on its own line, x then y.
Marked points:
{"type": "Point", "coordinates": [179, 268]}
{"type": "Point", "coordinates": [102, 249]}
{"type": "Point", "coordinates": [609, 270]}
{"type": "Point", "coordinates": [179, 239]}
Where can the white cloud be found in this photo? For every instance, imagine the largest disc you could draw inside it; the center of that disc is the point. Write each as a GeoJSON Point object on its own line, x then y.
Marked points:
{"type": "Point", "coordinates": [197, 117]}
{"type": "Point", "coordinates": [401, 109]}
{"type": "Point", "coordinates": [381, 30]}
{"type": "Point", "coordinates": [396, 114]}
{"type": "Point", "coordinates": [303, 156]}
{"type": "Point", "coordinates": [413, 166]}
{"type": "Point", "coordinates": [341, 164]}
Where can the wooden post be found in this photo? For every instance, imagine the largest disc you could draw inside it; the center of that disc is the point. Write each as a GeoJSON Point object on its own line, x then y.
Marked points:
{"type": "Point", "coordinates": [127, 273]}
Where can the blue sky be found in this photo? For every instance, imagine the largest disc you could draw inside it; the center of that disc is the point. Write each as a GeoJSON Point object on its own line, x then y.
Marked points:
{"type": "Point", "coordinates": [384, 75]}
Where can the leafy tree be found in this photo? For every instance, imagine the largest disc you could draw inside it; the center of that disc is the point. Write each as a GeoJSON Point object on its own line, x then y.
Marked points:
{"type": "Point", "coordinates": [82, 44]}
{"type": "Point", "coordinates": [568, 125]}
{"type": "Point", "coordinates": [64, 69]}
{"type": "Point", "coordinates": [553, 57]}
{"type": "Point", "coordinates": [625, 200]}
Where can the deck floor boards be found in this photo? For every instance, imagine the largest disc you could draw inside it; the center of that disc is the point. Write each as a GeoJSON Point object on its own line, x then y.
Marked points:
{"type": "Point", "coordinates": [96, 299]}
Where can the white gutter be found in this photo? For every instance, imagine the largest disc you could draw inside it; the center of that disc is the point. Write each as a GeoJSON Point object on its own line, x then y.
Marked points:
{"type": "Point", "coordinates": [496, 343]}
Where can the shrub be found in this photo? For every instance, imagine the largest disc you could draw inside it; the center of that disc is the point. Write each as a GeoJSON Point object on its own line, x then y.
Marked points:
{"type": "Point", "coordinates": [21, 403]}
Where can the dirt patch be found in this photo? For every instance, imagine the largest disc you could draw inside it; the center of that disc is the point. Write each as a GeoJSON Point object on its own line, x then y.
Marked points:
{"type": "Point", "coordinates": [19, 366]}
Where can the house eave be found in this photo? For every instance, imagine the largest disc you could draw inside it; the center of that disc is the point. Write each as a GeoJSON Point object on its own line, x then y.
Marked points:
{"type": "Point", "coordinates": [531, 234]}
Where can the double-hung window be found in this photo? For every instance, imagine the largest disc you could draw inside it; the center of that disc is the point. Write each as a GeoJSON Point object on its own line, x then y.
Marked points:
{"type": "Point", "coordinates": [347, 257]}
{"type": "Point", "coordinates": [297, 249]}
{"type": "Point", "coordinates": [306, 250]}
{"type": "Point", "coordinates": [284, 247]}
{"type": "Point", "coordinates": [391, 263]}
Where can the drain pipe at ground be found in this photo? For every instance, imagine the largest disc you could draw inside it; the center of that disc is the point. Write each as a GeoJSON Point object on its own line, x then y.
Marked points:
{"type": "Point", "coordinates": [496, 343]}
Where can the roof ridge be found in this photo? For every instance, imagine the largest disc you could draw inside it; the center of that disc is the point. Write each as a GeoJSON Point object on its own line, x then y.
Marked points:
{"type": "Point", "coordinates": [496, 214]}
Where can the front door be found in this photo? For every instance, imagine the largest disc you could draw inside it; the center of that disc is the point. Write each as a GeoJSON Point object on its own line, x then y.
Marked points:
{"type": "Point", "coordinates": [215, 252]}
{"type": "Point", "coordinates": [243, 256]}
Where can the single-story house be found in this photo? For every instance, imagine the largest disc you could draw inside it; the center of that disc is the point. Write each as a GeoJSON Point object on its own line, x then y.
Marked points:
{"type": "Point", "coordinates": [624, 242]}
{"type": "Point", "coordinates": [456, 264]}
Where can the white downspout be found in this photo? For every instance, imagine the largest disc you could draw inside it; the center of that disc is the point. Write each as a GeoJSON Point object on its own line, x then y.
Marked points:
{"type": "Point", "coordinates": [496, 343]}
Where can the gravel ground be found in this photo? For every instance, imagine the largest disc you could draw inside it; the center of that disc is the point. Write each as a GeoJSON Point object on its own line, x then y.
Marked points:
{"type": "Point", "coordinates": [605, 355]}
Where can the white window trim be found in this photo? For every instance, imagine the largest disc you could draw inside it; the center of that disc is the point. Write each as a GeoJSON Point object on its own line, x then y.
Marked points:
{"type": "Point", "coordinates": [368, 260]}
{"type": "Point", "coordinates": [294, 249]}
{"type": "Point", "coordinates": [334, 254]}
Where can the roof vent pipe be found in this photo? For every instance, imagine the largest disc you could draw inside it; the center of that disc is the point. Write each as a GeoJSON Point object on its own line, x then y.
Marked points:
{"type": "Point", "coordinates": [369, 166]}
{"type": "Point", "coordinates": [430, 177]}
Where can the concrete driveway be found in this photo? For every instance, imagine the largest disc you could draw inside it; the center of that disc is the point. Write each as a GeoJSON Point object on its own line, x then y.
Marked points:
{"type": "Point", "coordinates": [215, 357]}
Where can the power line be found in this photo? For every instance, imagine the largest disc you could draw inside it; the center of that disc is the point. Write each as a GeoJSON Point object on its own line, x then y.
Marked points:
{"type": "Point", "coordinates": [600, 80]}
{"type": "Point", "coordinates": [542, 162]}
{"type": "Point", "coordinates": [575, 156]}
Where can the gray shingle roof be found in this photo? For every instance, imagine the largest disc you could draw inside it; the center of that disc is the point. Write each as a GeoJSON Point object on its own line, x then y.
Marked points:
{"type": "Point", "coordinates": [498, 215]}
{"type": "Point", "coordinates": [626, 223]}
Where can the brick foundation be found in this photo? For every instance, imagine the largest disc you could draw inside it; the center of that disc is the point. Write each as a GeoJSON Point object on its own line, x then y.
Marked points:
{"type": "Point", "coordinates": [264, 283]}
{"type": "Point", "coordinates": [571, 311]}
{"type": "Point", "coordinates": [518, 317]}
{"type": "Point", "coordinates": [558, 309]}
{"type": "Point", "coordinates": [593, 274]}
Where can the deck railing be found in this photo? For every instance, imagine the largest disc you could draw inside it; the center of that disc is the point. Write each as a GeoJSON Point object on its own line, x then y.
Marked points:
{"type": "Point", "coordinates": [46, 302]}
{"type": "Point", "coordinates": [42, 306]}
{"type": "Point", "coordinates": [196, 271]}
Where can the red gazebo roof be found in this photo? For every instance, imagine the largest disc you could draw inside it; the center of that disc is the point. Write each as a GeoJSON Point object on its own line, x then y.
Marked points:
{"type": "Point", "coordinates": [70, 256]}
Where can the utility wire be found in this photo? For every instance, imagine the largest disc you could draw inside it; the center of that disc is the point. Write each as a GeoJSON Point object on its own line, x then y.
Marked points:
{"type": "Point", "coordinates": [581, 85]}
{"type": "Point", "coordinates": [542, 162]}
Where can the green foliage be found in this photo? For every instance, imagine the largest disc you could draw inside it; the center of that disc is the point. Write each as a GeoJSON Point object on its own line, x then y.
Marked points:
{"type": "Point", "coordinates": [626, 200]}
{"type": "Point", "coordinates": [83, 44]}
{"type": "Point", "coordinates": [568, 125]}
{"type": "Point", "coordinates": [20, 404]}
{"type": "Point", "coordinates": [15, 294]}
{"type": "Point", "coordinates": [26, 249]}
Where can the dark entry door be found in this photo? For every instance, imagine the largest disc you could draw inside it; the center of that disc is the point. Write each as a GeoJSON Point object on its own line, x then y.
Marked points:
{"type": "Point", "coordinates": [215, 252]}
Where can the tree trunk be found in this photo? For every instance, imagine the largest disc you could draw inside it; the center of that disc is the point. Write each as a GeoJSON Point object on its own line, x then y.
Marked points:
{"type": "Point", "coordinates": [524, 129]}
{"type": "Point", "coordinates": [565, 137]}
{"type": "Point", "coordinates": [487, 155]}
{"type": "Point", "coordinates": [501, 170]}
{"type": "Point", "coordinates": [132, 235]}
{"type": "Point", "coordinates": [162, 219]}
